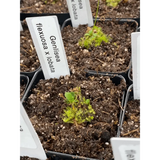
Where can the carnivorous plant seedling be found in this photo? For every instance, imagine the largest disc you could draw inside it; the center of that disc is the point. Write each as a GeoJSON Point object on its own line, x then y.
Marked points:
{"type": "Point", "coordinates": [79, 109]}
{"type": "Point", "coordinates": [94, 36]}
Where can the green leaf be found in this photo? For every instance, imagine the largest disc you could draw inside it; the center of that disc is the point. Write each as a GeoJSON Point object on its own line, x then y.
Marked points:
{"type": "Point", "coordinates": [70, 96]}
{"type": "Point", "coordinates": [90, 32]}
{"type": "Point", "coordinates": [87, 101]}
{"type": "Point", "coordinates": [79, 109]}
{"type": "Point", "coordinates": [87, 34]}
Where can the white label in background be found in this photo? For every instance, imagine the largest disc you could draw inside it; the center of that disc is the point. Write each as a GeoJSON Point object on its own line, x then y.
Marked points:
{"type": "Point", "coordinates": [27, 140]}
{"type": "Point", "coordinates": [135, 39]}
{"type": "Point", "coordinates": [80, 12]}
{"type": "Point", "coordinates": [46, 35]}
{"type": "Point", "coordinates": [19, 26]}
{"type": "Point", "coordinates": [126, 148]}
{"type": "Point", "coordinates": [30, 144]}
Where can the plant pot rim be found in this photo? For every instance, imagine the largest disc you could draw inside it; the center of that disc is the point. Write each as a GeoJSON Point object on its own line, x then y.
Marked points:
{"type": "Point", "coordinates": [109, 19]}
{"type": "Point", "coordinates": [54, 154]}
{"type": "Point", "coordinates": [27, 84]}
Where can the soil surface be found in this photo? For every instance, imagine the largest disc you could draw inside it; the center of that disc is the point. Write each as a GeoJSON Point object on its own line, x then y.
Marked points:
{"type": "Point", "coordinates": [45, 108]}
{"type": "Point", "coordinates": [130, 9]}
{"type": "Point", "coordinates": [29, 61]}
{"type": "Point", "coordinates": [39, 6]}
{"type": "Point", "coordinates": [131, 124]}
{"type": "Point", "coordinates": [125, 9]}
{"type": "Point", "coordinates": [106, 57]}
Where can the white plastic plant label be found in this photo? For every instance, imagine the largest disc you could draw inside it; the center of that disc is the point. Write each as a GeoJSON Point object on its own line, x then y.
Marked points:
{"type": "Point", "coordinates": [80, 12]}
{"type": "Point", "coordinates": [19, 26]}
{"type": "Point", "coordinates": [46, 35]}
{"type": "Point", "coordinates": [135, 39]}
{"type": "Point", "coordinates": [30, 144]}
{"type": "Point", "coordinates": [126, 148]}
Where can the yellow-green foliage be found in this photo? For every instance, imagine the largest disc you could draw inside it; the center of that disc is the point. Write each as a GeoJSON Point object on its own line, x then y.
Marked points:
{"type": "Point", "coordinates": [79, 109]}
{"type": "Point", "coordinates": [112, 3]}
{"type": "Point", "coordinates": [94, 37]}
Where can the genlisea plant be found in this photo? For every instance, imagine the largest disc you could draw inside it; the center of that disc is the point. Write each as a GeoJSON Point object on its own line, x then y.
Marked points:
{"type": "Point", "coordinates": [94, 36]}
{"type": "Point", "coordinates": [79, 109]}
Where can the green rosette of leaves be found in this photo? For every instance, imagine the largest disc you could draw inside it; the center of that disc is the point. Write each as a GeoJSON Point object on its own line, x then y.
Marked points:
{"type": "Point", "coordinates": [79, 109]}
{"type": "Point", "coordinates": [93, 38]}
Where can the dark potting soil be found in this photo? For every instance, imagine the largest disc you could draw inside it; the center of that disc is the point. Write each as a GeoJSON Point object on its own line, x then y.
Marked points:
{"type": "Point", "coordinates": [45, 108]}
{"type": "Point", "coordinates": [39, 6]}
{"type": "Point", "coordinates": [125, 9]}
{"type": "Point", "coordinates": [29, 61]}
{"type": "Point", "coordinates": [107, 57]}
{"type": "Point", "coordinates": [131, 124]}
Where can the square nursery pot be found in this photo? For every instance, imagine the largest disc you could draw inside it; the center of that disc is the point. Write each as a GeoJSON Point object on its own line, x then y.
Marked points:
{"type": "Point", "coordinates": [56, 156]}
{"type": "Point", "coordinates": [24, 82]}
{"type": "Point", "coordinates": [29, 61]}
{"type": "Point", "coordinates": [130, 122]}
{"type": "Point", "coordinates": [106, 125]}
{"type": "Point", "coordinates": [88, 58]}
{"type": "Point", "coordinates": [130, 82]}
{"type": "Point", "coordinates": [31, 9]}
{"type": "Point", "coordinates": [125, 10]}
{"type": "Point", "coordinates": [49, 157]}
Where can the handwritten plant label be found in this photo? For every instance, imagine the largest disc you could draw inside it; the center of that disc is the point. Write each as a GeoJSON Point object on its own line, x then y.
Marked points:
{"type": "Point", "coordinates": [46, 35]}
{"type": "Point", "coordinates": [80, 12]}
{"type": "Point", "coordinates": [30, 144]}
{"type": "Point", "coordinates": [135, 40]}
{"type": "Point", "coordinates": [126, 148]}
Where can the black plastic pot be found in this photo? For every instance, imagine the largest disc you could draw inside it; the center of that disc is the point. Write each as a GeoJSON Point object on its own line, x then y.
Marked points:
{"type": "Point", "coordinates": [63, 156]}
{"type": "Point", "coordinates": [31, 73]}
{"type": "Point", "coordinates": [116, 79]}
{"type": "Point", "coordinates": [24, 80]}
{"type": "Point", "coordinates": [21, 16]}
{"type": "Point", "coordinates": [48, 154]}
{"type": "Point", "coordinates": [129, 96]}
{"type": "Point", "coordinates": [121, 21]}
{"type": "Point", "coordinates": [129, 76]}
{"type": "Point", "coordinates": [61, 16]}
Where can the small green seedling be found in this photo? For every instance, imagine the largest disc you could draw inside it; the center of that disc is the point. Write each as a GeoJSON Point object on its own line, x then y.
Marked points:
{"type": "Point", "coordinates": [112, 3]}
{"type": "Point", "coordinates": [79, 109]}
{"type": "Point", "coordinates": [94, 36]}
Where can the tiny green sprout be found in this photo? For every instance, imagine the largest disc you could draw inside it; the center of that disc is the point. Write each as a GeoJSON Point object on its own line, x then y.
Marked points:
{"type": "Point", "coordinates": [112, 3]}
{"type": "Point", "coordinates": [94, 37]}
{"type": "Point", "coordinates": [79, 109]}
